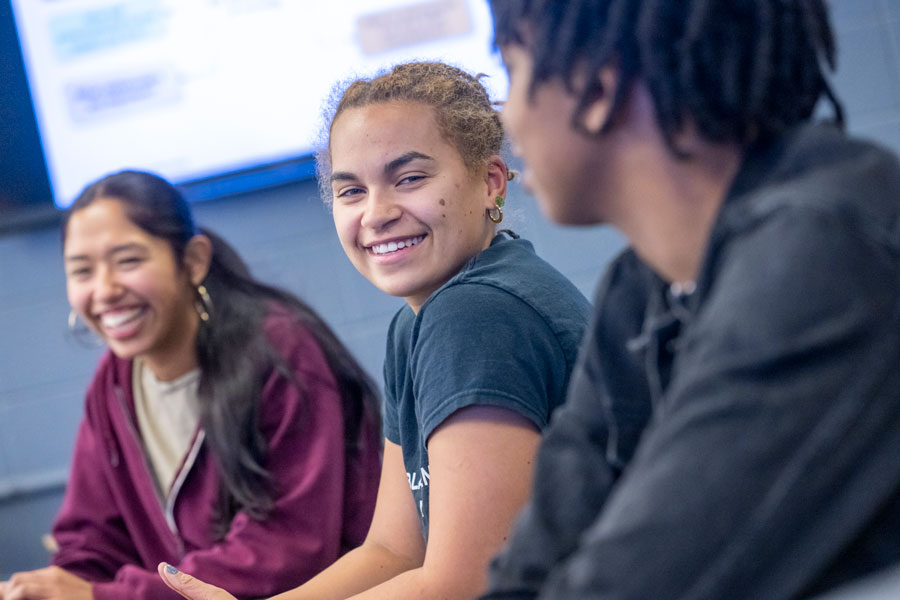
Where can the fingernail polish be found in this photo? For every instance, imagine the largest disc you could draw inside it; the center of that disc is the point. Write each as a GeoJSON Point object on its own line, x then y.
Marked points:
{"type": "Point", "coordinates": [171, 570]}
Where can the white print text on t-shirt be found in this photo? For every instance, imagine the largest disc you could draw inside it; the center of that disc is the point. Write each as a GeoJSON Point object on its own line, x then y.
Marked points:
{"type": "Point", "coordinates": [418, 480]}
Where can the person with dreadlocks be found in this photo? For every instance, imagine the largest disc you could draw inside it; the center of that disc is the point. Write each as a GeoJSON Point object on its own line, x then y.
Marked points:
{"type": "Point", "coordinates": [732, 428]}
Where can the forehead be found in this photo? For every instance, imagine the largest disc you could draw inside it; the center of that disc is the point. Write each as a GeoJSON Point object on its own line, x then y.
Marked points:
{"type": "Point", "coordinates": [379, 132]}
{"type": "Point", "coordinates": [101, 222]}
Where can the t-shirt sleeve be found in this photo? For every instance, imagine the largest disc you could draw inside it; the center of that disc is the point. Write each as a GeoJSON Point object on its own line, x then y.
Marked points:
{"type": "Point", "coordinates": [397, 348]}
{"type": "Point", "coordinates": [389, 422]}
{"type": "Point", "coordinates": [478, 344]}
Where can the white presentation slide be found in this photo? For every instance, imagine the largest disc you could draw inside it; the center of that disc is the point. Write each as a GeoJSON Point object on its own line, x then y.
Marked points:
{"type": "Point", "coordinates": [196, 88]}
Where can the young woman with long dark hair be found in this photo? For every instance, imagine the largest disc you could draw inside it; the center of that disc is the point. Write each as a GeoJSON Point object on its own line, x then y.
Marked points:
{"type": "Point", "coordinates": [226, 428]}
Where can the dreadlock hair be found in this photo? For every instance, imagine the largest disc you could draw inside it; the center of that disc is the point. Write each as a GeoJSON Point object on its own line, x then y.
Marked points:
{"type": "Point", "coordinates": [738, 70]}
{"type": "Point", "coordinates": [462, 107]}
{"type": "Point", "coordinates": [234, 354]}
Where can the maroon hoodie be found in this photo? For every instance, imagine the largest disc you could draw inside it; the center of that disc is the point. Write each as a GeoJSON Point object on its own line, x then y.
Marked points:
{"type": "Point", "coordinates": [114, 527]}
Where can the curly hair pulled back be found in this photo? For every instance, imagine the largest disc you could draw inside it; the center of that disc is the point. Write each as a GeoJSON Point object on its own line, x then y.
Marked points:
{"type": "Point", "coordinates": [462, 108]}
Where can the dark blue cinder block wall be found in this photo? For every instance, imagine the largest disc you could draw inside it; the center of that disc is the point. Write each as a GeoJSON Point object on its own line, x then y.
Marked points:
{"type": "Point", "coordinates": [287, 237]}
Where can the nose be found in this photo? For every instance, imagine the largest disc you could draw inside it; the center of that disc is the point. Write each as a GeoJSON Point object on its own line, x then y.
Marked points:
{"type": "Point", "coordinates": [379, 211]}
{"type": "Point", "coordinates": [106, 285]}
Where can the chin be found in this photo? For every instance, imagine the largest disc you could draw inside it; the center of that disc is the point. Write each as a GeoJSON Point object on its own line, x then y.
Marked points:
{"type": "Point", "coordinates": [125, 351]}
{"type": "Point", "coordinates": [391, 288]}
{"type": "Point", "coordinates": [405, 290]}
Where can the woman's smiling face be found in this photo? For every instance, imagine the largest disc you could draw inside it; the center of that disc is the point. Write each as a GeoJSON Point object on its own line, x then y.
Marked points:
{"type": "Point", "coordinates": [408, 211]}
{"type": "Point", "coordinates": [126, 284]}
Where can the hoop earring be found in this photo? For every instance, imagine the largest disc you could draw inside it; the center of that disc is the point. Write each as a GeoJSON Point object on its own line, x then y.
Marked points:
{"type": "Point", "coordinates": [499, 208]}
{"type": "Point", "coordinates": [203, 304]}
{"type": "Point", "coordinates": [82, 332]}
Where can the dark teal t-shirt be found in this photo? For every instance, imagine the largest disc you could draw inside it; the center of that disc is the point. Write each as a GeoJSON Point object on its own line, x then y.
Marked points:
{"type": "Point", "coordinates": [503, 332]}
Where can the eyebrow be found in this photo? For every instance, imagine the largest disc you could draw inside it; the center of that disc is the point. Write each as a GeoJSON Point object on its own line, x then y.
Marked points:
{"type": "Point", "coordinates": [405, 159]}
{"type": "Point", "coordinates": [390, 167]}
{"type": "Point", "coordinates": [113, 250]}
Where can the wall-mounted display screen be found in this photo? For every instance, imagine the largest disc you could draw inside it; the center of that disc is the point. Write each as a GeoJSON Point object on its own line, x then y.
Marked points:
{"type": "Point", "coordinates": [193, 89]}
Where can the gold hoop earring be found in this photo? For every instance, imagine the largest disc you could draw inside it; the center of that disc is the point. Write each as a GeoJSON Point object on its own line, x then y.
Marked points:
{"type": "Point", "coordinates": [499, 208]}
{"type": "Point", "coordinates": [203, 305]}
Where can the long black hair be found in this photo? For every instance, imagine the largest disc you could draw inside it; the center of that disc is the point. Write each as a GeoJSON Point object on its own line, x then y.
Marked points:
{"type": "Point", "coordinates": [741, 70]}
{"type": "Point", "coordinates": [233, 351]}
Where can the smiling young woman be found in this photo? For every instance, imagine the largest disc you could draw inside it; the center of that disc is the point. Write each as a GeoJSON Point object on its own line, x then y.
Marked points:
{"type": "Point", "coordinates": [227, 430]}
{"type": "Point", "coordinates": [129, 288]}
{"type": "Point", "coordinates": [407, 209]}
{"type": "Point", "coordinates": [479, 357]}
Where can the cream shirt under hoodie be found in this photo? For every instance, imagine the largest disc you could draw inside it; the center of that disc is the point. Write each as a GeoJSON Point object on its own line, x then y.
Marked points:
{"type": "Point", "coordinates": [167, 416]}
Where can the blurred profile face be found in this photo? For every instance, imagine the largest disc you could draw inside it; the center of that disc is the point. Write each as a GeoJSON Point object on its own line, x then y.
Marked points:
{"type": "Point", "coordinates": [407, 210]}
{"type": "Point", "coordinates": [126, 284]}
{"type": "Point", "coordinates": [563, 168]}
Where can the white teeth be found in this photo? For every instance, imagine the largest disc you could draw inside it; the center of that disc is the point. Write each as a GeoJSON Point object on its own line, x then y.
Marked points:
{"type": "Point", "coordinates": [394, 246]}
{"type": "Point", "coordinates": [119, 318]}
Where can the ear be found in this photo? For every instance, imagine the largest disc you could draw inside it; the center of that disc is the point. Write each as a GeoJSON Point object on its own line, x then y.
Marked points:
{"type": "Point", "coordinates": [496, 178]}
{"type": "Point", "coordinates": [595, 115]}
{"type": "Point", "coordinates": [197, 258]}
